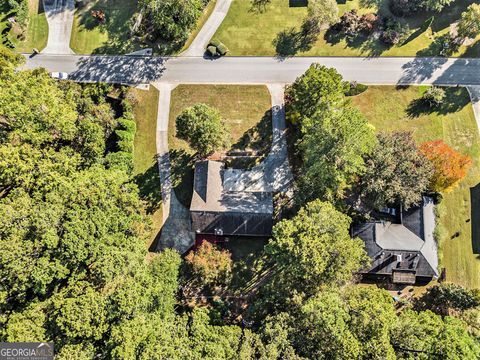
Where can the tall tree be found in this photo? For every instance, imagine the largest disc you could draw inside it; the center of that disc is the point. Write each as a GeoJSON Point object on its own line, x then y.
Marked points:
{"type": "Point", "coordinates": [396, 172]}
{"type": "Point", "coordinates": [312, 249]}
{"type": "Point", "coordinates": [319, 88]}
{"type": "Point", "coordinates": [202, 126]}
{"type": "Point", "coordinates": [449, 166]}
{"type": "Point", "coordinates": [469, 24]}
{"type": "Point", "coordinates": [170, 20]}
{"type": "Point", "coordinates": [333, 149]}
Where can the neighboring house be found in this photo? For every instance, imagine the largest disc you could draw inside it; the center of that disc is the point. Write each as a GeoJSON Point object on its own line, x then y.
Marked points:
{"type": "Point", "coordinates": [215, 211]}
{"type": "Point", "coordinates": [402, 246]}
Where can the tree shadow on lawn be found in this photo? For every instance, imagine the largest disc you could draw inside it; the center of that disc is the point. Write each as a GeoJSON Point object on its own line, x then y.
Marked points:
{"type": "Point", "coordinates": [367, 45]}
{"type": "Point", "coordinates": [257, 138]}
{"type": "Point", "coordinates": [475, 216]}
{"type": "Point", "coordinates": [118, 14]}
{"type": "Point", "coordinates": [149, 187]}
{"type": "Point", "coordinates": [456, 98]}
{"type": "Point", "coordinates": [290, 41]}
{"type": "Point", "coordinates": [182, 166]}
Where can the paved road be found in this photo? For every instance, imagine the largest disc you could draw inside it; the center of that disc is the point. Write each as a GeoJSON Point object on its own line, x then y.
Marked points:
{"type": "Point", "coordinates": [60, 20]}
{"type": "Point", "coordinates": [197, 47]}
{"type": "Point", "coordinates": [259, 70]}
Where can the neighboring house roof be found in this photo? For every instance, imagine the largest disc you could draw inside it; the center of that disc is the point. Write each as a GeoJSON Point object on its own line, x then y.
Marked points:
{"type": "Point", "coordinates": [209, 194]}
{"type": "Point", "coordinates": [405, 247]}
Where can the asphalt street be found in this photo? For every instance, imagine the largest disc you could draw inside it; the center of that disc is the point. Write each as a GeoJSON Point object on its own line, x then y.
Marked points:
{"type": "Point", "coordinates": [259, 70]}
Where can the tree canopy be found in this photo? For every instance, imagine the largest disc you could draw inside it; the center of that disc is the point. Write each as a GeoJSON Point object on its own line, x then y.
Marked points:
{"type": "Point", "coordinates": [396, 172]}
{"type": "Point", "coordinates": [202, 126]}
{"type": "Point", "coordinates": [449, 166]}
{"type": "Point", "coordinates": [314, 248]}
{"type": "Point", "coordinates": [469, 24]}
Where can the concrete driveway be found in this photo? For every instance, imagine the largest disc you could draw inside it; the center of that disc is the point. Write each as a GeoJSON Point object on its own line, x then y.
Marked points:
{"type": "Point", "coordinates": [60, 21]}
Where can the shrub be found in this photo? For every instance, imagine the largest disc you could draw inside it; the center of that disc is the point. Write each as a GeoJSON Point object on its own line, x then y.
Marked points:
{"type": "Point", "coordinates": [216, 48]}
{"type": "Point", "coordinates": [390, 37]}
{"type": "Point", "coordinates": [222, 49]}
{"type": "Point", "coordinates": [434, 96]}
{"type": "Point", "coordinates": [212, 51]}
{"type": "Point", "coordinates": [355, 89]}
{"type": "Point", "coordinates": [128, 125]}
{"type": "Point", "coordinates": [120, 160]}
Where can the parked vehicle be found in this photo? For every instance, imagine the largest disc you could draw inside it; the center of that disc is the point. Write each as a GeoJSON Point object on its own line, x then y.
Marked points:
{"type": "Point", "coordinates": [59, 75]}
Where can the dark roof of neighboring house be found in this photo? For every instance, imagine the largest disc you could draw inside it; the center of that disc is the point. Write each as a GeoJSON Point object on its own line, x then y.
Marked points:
{"type": "Point", "coordinates": [209, 194]}
{"type": "Point", "coordinates": [404, 246]}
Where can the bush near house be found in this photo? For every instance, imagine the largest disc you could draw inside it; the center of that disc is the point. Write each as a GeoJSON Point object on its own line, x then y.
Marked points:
{"type": "Point", "coordinates": [216, 48]}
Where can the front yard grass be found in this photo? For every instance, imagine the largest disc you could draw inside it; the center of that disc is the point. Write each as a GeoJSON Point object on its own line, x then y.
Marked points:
{"type": "Point", "coordinates": [145, 169]}
{"type": "Point", "coordinates": [90, 37]}
{"type": "Point", "coordinates": [389, 109]}
{"type": "Point", "coordinates": [246, 112]}
{"type": "Point", "coordinates": [248, 32]}
{"type": "Point", "coordinates": [36, 34]}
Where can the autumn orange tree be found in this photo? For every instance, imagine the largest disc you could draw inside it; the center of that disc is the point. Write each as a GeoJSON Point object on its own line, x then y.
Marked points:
{"type": "Point", "coordinates": [209, 265]}
{"type": "Point", "coordinates": [449, 165]}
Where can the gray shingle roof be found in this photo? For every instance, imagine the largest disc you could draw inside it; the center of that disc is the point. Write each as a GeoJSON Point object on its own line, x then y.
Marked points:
{"type": "Point", "coordinates": [409, 246]}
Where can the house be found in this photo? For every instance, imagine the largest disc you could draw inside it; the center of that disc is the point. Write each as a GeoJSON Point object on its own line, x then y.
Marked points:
{"type": "Point", "coordinates": [401, 245]}
{"type": "Point", "coordinates": [215, 211]}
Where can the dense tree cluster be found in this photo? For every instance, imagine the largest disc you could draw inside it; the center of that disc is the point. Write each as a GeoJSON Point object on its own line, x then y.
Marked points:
{"type": "Point", "coordinates": [333, 136]}
{"type": "Point", "coordinates": [410, 7]}
{"type": "Point", "coordinates": [469, 24]}
{"type": "Point", "coordinates": [74, 267]}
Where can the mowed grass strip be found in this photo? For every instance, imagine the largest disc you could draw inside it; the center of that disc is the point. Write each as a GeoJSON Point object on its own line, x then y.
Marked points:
{"type": "Point", "coordinates": [246, 112]}
{"type": "Point", "coordinates": [246, 31]}
{"type": "Point", "coordinates": [145, 167]}
{"type": "Point", "coordinates": [391, 109]}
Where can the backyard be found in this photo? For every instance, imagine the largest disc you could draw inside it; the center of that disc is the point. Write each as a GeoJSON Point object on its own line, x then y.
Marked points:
{"type": "Point", "coordinates": [389, 108]}
{"type": "Point", "coordinates": [246, 112]}
{"type": "Point", "coordinates": [34, 36]}
{"type": "Point", "coordinates": [246, 31]}
{"type": "Point", "coordinates": [145, 169]}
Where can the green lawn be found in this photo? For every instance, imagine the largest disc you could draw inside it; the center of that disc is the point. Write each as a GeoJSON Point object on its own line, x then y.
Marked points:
{"type": "Point", "coordinates": [248, 32]}
{"type": "Point", "coordinates": [145, 167]}
{"type": "Point", "coordinates": [389, 109]}
{"type": "Point", "coordinates": [36, 34]}
{"type": "Point", "coordinates": [246, 112]}
{"type": "Point", "coordinates": [90, 37]}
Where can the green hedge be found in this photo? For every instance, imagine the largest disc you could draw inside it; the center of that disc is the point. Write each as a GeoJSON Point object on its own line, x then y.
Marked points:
{"type": "Point", "coordinates": [125, 132]}
{"type": "Point", "coordinates": [120, 160]}
{"type": "Point", "coordinates": [216, 48]}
